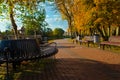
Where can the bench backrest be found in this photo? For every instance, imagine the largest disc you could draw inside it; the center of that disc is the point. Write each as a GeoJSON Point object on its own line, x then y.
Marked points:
{"type": "Point", "coordinates": [88, 38]}
{"type": "Point", "coordinates": [20, 48]}
{"type": "Point", "coordinates": [114, 39]}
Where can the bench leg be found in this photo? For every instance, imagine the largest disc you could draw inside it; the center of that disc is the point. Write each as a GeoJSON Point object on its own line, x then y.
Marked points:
{"type": "Point", "coordinates": [103, 46]}
{"type": "Point", "coordinates": [14, 64]}
{"type": "Point", "coordinates": [80, 43]}
{"type": "Point", "coordinates": [54, 57]}
{"type": "Point", "coordinates": [73, 41]}
{"type": "Point", "coordinates": [54, 60]}
{"type": "Point", "coordinates": [110, 47]}
{"type": "Point", "coordinates": [7, 70]}
{"type": "Point", "coordinates": [88, 43]}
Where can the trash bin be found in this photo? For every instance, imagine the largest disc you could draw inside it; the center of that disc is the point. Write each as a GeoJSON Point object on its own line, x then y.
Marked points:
{"type": "Point", "coordinates": [96, 38]}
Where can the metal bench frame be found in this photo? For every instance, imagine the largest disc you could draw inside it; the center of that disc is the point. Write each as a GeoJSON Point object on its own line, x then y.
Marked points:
{"type": "Point", "coordinates": [16, 51]}
{"type": "Point", "coordinates": [86, 39]}
{"type": "Point", "coordinates": [112, 41]}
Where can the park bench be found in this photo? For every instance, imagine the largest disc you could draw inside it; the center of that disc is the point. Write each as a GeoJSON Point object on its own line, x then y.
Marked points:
{"type": "Point", "coordinates": [112, 41]}
{"type": "Point", "coordinates": [87, 40]}
{"type": "Point", "coordinates": [16, 51]}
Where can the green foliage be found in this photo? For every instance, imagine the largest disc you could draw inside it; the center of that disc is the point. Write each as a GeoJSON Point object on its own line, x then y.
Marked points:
{"type": "Point", "coordinates": [48, 32]}
{"type": "Point", "coordinates": [58, 32]}
{"type": "Point", "coordinates": [14, 10]}
{"type": "Point", "coordinates": [34, 22]}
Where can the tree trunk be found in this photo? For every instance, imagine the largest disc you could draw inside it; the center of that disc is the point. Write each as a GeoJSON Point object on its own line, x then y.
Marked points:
{"type": "Point", "coordinates": [119, 31]}
{"type": "Point", "coordinates": [105, 38]}
{"type": "Point", "coordinates": [104, 31]}
{"type": "Point", "coordinates": [70, 26]}
{"type": "Point", "coordinates": [14, 25]}
{"type": "Point", "coordinates": [109, 31]}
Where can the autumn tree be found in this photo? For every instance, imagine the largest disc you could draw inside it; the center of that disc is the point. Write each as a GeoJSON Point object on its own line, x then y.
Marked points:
{"type": "Point", "coordinates": [64, 6]}
{"type": "Point", "coordinates": [93, 16]}
{"type": "Point", "coordinates": [107, 17]}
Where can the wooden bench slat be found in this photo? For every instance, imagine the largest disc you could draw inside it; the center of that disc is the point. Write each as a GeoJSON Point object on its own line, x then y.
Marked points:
{"type": "Point", "coordinates": [113, 40]}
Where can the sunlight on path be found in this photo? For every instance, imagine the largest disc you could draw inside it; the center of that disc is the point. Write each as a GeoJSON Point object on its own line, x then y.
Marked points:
{"type": "Point", "coordinates": [72, 50]}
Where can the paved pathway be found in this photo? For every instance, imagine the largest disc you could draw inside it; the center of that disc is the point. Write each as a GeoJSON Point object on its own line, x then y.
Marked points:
{"type": "Point", "coordinates": [77, 51]}
{"type": "Point", "coordinates": [75, 62]}
{"type": "Point", "coordinates": [87, 63]}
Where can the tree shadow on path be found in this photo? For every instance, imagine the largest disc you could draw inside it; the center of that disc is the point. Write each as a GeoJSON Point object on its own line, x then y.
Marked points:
{"type": "Point", "coordinates": [76, 69]}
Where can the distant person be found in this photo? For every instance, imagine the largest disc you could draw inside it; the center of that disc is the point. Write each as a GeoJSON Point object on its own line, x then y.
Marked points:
{"type": "Point", "coordinates": [77, 39]}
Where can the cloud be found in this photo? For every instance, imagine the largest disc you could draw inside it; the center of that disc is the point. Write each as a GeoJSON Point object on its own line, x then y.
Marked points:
{"type": "Point", "coordinates": [47, 16]}
{"type": "Point", "coordinates": [56, 15]}
{"type": "Point", "coordinates": [53, 23]}
{"type": "Point", "coordinates": [51, 19]}
{"type": "Point", "coordinates": [4, 24]}
{"type": "Point", "coordinates": [54, 20]}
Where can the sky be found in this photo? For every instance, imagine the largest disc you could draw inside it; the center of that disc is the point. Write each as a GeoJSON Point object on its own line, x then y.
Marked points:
{"type": "Point", "coordinates": [53, 18]}
{"type": "Point", "coordinates": [3, 25]}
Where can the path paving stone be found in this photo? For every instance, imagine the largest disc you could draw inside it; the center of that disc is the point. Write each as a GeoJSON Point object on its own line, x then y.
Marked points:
{"type": "Point", "coordinates": [75, 62]}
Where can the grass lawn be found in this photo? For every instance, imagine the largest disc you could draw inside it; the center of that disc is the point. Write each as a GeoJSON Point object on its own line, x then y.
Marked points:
{"type": "Point", "coordinates": [27, 68]}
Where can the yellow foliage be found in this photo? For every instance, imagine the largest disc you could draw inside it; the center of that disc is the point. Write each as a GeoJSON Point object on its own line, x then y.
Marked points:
{"type": "Point", "coordinates": [99, 20]}
{"type": "Point", "coordinates": [87, 13]}
{"type": "Point", "coordinates": [114, 11]}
